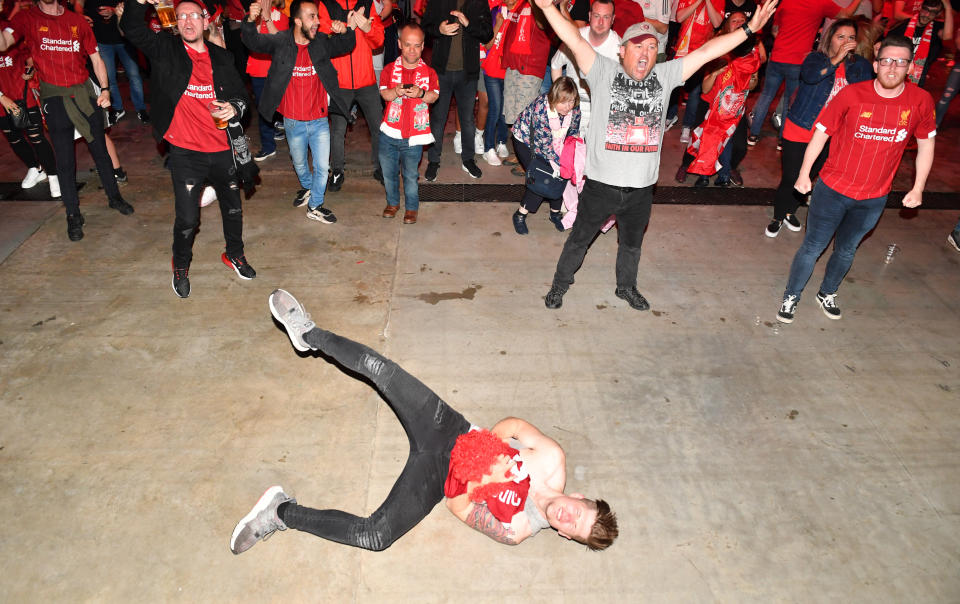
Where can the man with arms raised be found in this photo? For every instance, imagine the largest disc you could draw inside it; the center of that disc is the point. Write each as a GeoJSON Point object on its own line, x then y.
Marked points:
{"type": "Point", "coordinates": [628, 106]}
{"type": "Point", "coordinates": [194, 81]}
{"type": "Point", "coordinates": [869, 125]}
{"type": "Point", "coordinates": [506, 483]}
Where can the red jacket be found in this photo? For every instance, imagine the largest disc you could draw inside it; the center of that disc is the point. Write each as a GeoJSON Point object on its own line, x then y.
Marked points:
{"type": "Point", "coordinates": [354, 70]}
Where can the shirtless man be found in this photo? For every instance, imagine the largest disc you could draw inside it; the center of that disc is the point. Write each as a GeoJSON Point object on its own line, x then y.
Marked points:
{"type": "Point", "coordinates": [506, 483]}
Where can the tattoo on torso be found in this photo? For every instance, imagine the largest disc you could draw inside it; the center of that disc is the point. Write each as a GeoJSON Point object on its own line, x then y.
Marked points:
{"type": "Point", "coordinates": [482, 520]}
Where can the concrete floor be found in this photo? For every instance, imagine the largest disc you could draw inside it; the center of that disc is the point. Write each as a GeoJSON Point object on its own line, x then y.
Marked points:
{"type": "Point", "coordinates": [747, 460]}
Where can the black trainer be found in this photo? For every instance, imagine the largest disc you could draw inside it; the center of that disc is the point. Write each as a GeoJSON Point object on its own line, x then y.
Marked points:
{"type": "Point", "coordinates": [430, 174]}
{"type": "Point", "coordinates": [792, 222]}
{"type": "Point", "coordinates": [143, 116]}
{"type": "Point", "coordinates": [303, 196]}
{"type": "Point", "coordinates": [181, 280]}
{"type": "Point", "coordinates": [773, 229]}
{"type": "Point", "coordinates": [120, 174]}
{"type": "Point", "coordinates": [828, 304]}
{"type": "Point", "coordinates": [554, 298]}
{"type": "Point", "coordinates": [120, 205]}
{"type": "Point", "coordinates": [634, 298]}
{"type": "Point", "coordinates": [336, 181]}
{"type": "Point", "coordinates": [557, 220]}
{"type": "Point", "coordinates": [703, 181]}
{"type": "Point", "coordinates": [520, 223]}
{"type": "Point", "coordinates": [240, 266]}
{"type": "Point", "coordinates": [75, 226]}
{"type": "Point", "coordinates": [788, 308]}
{"type": "Point", "coordinates": [471, 168]}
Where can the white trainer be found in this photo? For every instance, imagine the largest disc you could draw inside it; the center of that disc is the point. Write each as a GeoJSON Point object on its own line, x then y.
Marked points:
{"type": "Point", "coordinates": [490, 156]}
{"type": "Point", "coordinates": [33, 177]}
{"type": "Point", "coordinates": [478, 143]}
{"type": "Point", "coordinates": [457, 144]}
{"type": "Point", "coordinates": [502, 151]}
{"type": "Point", "coordinates": [54, 183]}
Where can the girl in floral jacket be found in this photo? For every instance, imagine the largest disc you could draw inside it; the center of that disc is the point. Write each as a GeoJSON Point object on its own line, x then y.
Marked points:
{"type": "Point", "coordinates": [541, 130]}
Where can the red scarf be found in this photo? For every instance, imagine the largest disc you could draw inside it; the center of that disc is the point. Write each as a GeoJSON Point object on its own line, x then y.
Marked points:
{"type": "Point", "coordinates": [922, 50]}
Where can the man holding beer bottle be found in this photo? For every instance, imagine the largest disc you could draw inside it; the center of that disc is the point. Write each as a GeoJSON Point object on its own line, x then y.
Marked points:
{"type": "Point", "coordinates": [195, 90]}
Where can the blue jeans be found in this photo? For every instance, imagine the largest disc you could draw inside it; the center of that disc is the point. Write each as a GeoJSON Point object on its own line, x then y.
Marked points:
{"type": "Point", "coordinates": [110, 54]}
{"type": "Point", "coordinates": [832, 213]}
{"type": "Point", "coordinates": [777, 73]}
{"type": "Point", "coordinates": [267, 144]}
{"type": "Point", "coordinates": [314, 134]}
{"type": "Point", "coordinates": [398, 156]}
{"type": "Point", "coordinates": [495, 130]}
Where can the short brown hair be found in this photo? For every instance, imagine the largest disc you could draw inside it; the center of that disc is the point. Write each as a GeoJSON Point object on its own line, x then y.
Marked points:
{"type": "Point", "coordinates": [604, 530]}
{"type": "Point", "coordinates": [563, 89]}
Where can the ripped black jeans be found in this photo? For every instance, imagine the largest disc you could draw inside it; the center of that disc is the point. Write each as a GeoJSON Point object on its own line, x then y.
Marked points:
{"type": "Point", "coordinates": [432, 428]}
{"type": "Point", "coordinates": [192, 171]}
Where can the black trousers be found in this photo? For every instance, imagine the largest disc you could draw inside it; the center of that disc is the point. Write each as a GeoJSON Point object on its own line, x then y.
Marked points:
{"type": "Point", "coordinates": [368, 98]}
{"type": "Point", "coordinates": [531, 201]}
{"type": "Point", "coordinates": [459, 85]}
{"type": "Point", "coordinates": [191, 170]}
{"type": "Point", "coordinates": [30, 145]}
{"type": "Point", "coordinates": [787, 199]}
{"type": "Point", "coordinates": [598, 201]}
{"type": "Point", "coordinates": [432, 428]}
{"type": "Point", "coordinates": [61, 133]}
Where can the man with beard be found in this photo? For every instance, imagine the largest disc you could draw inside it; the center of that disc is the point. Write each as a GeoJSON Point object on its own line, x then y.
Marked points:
{"type": "Point", "coordinates": [869, 125]}
{"type": "Point", "coordinates": [628, 101]}
{"type": "Point", "coordinates": [927, 35]}
{"type": "Point", "coordinates": [298, 82]}
{"type": "Point", "coordinates": [60, 41]}
{"type": "Point", "coordinates": [195, 90]}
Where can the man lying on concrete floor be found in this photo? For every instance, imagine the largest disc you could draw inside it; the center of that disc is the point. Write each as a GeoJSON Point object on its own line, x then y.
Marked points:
{"type": "Point", "coordinates": [507, 491]}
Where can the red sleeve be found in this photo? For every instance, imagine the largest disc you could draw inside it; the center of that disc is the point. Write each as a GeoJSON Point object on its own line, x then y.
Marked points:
{"type": "Point", "coordinates": [385, 74]}
{"type": "Point", "coordinates": [323, 19]}
{"type": "Point", "coordinates": [832, 116]}
{"type": "Point", "coordinates": [283, 23]}
{"type": "Point", "coordinates": [830, 8]}
{"type": "Point", "coordinates": [375, 35]}
{"type": "Point", "coordinates": [88, 43]}
{"type": "Point", "coordinates": [927, 126]}
{"type": "Point", "coordinates": [17, 25]}
{"type": "Point", "coordinates": [434, 82]}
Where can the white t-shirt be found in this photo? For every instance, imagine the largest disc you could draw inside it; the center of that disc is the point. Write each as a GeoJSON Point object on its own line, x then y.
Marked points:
{"type": "Point", "coordinates": [610, 48]}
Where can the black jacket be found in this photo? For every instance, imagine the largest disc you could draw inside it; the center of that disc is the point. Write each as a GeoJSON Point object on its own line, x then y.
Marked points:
{"type": "Point", "coordinates": [283, 48]}
{"type": "Point", "coordinates": [171, 68]}
{"type": "Point", "coordinates": [480, 31]}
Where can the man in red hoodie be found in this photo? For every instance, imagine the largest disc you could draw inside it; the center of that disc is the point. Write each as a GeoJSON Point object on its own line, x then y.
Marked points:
{"type": "Point", "coordinates": [358, 82]}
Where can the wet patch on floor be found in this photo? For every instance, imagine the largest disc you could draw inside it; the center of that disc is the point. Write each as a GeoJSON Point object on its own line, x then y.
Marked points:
{"type": "Point", "coordinates": [437, 297]}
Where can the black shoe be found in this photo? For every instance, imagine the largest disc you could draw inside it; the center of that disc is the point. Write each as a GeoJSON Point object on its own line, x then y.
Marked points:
{"type": "Point", "coordinates": [120, 174]}
{"type": "Point", "coordinates": [430, 174]}
{"type": "Point", "coordinates": [120, 205]}
{"type": "Point", "coordinates": [471, 168]}
{"type": "Point", "coordinates": [954, 239]}
{"type": "Point", "coordinates": [634, 298]}
{"type": "Point", "coordinates": [336, 181]}
{"type": "Point", "coordinates": [792, 222]}
{"type": "Point", "coordinates": [303, 196]}
{"type": "Point", "coordinates": [723, 183]}
{"type": "Point", "coordinates": [735, 178]}
{"type": "Point", "coordinates": [557, 221]}
{"type": "Point", "coordinates": [378, 175]}
{"type": "Point", "coordinates": [773, 229]}
{"type": "Point", "coordinates": [75, 226]}
{"type": "Point", "coordinates": [181, 282]}
{"type": "Point", "coordinates": [240, 266]}
{"type": "Point", "coordinates": [143, 116]}
{"type": "Point", "coordinates": [703, 181]}
{"type": "Point", "coordinates": [520, 223]}
{"type": "Point", "coordinates": [828, 304]}
{"type": "Point", "coordinates": [114, 116]}
{"type": "Point", "coordinates": [262, 155]}
{"type": "Point", "coordinates": [554, 298]}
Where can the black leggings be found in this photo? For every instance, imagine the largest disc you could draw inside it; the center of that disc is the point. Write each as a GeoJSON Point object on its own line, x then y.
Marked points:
{"type": "Point", "coordinates": [432, 428]}
{"type": "Point", "coordinates": [531, 201]}
{"type": "Point", "coordinates": [787, 199]}
{"type": "Point", "coordinates": [34, 149]}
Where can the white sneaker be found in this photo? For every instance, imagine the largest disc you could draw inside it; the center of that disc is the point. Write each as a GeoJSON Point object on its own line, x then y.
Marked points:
{"type": "Point", "coordinates": [478, 143]}
{"type": "Point", "coordinates": [54, 183]}
{"type": "Point", "coordinates": [685, 136]}
{"type": "Point", "coordinates": [492, 158]}
{"type": "Point", "coordinates": [671, 122]}
{"type": "Point", "coordinates": [457, 145]}
{"type": "Point", "coordinates": [209, 196]}
{"type": "Point", "coordinates": [33, 177]}
{"type": "Point", "coordinates": [502, 151]}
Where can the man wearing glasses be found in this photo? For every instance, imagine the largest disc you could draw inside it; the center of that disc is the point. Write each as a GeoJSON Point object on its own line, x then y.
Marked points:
{"type": "Point", "coordinates": [869, 124]}
{"type": "Point", "coordinates": [927, 34]}
{"type": "Point", "coordinates": [195, 89]}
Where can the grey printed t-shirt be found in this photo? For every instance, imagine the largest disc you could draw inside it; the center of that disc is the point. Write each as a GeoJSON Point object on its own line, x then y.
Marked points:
{"type": "Point", "coordinates": [627, 118]}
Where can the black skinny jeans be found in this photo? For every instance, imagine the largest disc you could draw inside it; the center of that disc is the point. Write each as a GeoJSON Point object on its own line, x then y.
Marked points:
{"type": "Point", "coordinates": [787, 199]}
{"type": "Point", "coordinates": [463, 87]}
{"type": "Point", "coordinates": [191, 171]}
{"type": "Point", "coordinates": [30, 145]}
{"type": "Point", "coordinates": [61, 133]}
{"type": "Point", "coordinates": [432, 428]}
{"type": "Point", "coordinates": [531, 201]}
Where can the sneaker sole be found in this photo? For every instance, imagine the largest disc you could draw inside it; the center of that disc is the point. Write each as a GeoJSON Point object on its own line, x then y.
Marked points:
{"type": "Point", "coordinates": [263, 158]}
{"type": "Point", "coordinates": [261, 505]}
{"type": "Point", "coordinates": [952, 242]}
{"type": "Point", "coordinates": [829, 316]}
{"type": "Point", "coordinates": [771, 234]}
{"type": "Point", "coordinates": [784, 319]}
{"type": "Point", "coordinates": [226, 261]}
{"type": "Point", "coordinates": [276, 315]}
{"type": "Point", "coordinates": [791, 227]}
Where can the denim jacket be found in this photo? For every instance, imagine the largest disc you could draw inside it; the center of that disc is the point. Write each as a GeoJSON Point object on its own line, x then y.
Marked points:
{"type": "Point", "coordinates": [533, 128]}
{"type": "Point", "coordinates": [815, 87]}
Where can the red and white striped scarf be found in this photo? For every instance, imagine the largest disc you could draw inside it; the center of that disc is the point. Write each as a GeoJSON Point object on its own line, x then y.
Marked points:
{"type": "Point", "coordinates": [921, 51]}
